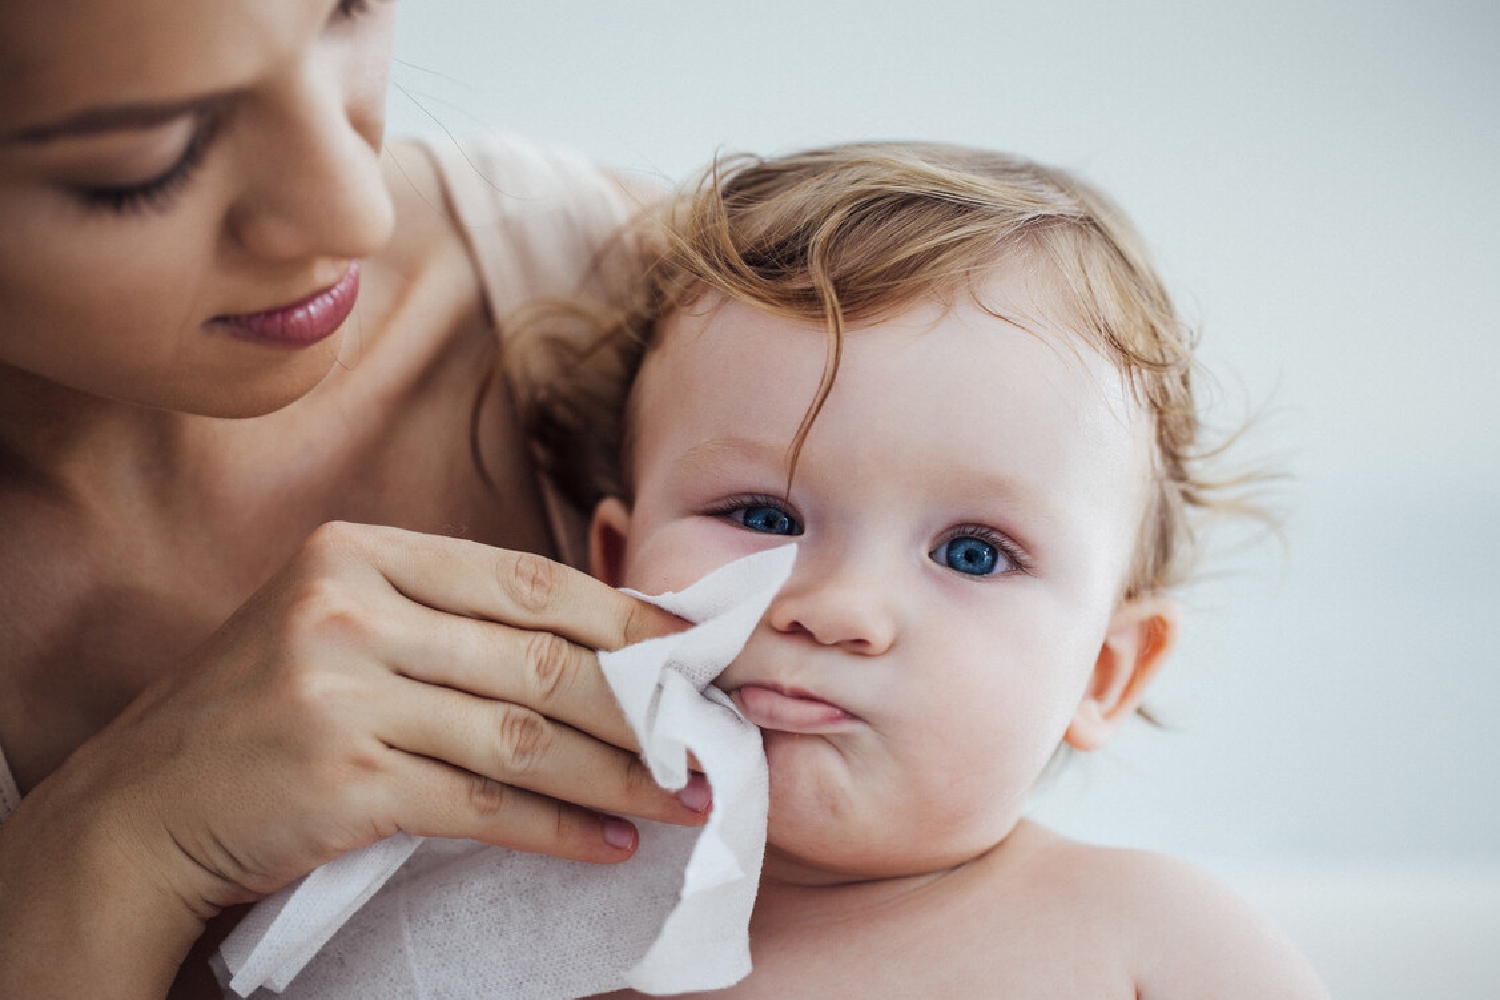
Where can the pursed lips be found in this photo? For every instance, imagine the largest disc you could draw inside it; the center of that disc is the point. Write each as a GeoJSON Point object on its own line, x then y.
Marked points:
{"type": "Point", "coordinates": [787, 709]}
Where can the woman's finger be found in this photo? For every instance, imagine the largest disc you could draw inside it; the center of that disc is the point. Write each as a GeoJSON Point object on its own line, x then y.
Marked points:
{"type": "Point", "coordinates": [445, 801]}
{"type": "Point", "coordinates": [538, 670]}
{"type": "Point", "coordinates": [514, 745]}
{"type": "Point", "coordinates": [520, 589]}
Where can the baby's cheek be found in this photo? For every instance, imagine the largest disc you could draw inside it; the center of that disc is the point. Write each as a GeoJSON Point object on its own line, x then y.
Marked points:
{"type": "Point", "coordinates": [815, 802]}
{"type": "Point", "coordinates": [672, 558]}
{"type": "Point", "coordinates": [682, 552]}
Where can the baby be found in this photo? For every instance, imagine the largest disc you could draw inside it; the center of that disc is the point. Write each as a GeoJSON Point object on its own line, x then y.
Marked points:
{"type": "Point", "coordinates": [953, 378]}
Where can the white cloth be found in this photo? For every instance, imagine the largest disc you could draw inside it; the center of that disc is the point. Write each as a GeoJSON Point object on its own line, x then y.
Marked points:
{"type": "Point", "coordinates": [432, 919]}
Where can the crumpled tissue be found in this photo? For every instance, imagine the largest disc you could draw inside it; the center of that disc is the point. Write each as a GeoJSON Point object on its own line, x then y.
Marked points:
{"type": "Point", "coordinates": [431, 918]}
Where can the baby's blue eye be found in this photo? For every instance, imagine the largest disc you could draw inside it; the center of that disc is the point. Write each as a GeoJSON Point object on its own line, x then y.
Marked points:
{"type": "Point", "coordinates": [969, 555]}
{"type": "Point", "coordinates": [766, 519]}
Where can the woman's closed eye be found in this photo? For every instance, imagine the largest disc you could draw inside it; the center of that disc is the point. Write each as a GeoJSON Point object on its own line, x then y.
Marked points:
{"type": "Point", "coordinates": [763, 514]}
{"type": "Point", "coordinates": [352, 8]}
{"type": "Point", "coordinates": [155, 193]}
{"type": "Point", "coordinates": [976, 551]}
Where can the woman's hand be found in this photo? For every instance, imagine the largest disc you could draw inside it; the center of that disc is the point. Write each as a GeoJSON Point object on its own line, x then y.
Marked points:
{"type": "Point", "coordinates": [384, 681]}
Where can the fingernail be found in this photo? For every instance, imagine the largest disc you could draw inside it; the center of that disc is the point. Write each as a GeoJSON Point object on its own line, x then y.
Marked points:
{"type": "Point", "coordinates": [618, 833]}
{"type": "Point", "coordinates": [696, 794]}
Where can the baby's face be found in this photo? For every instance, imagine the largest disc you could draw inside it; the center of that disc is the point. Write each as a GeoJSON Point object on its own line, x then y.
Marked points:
{"type": "Point", "coordinates": [966, 507]}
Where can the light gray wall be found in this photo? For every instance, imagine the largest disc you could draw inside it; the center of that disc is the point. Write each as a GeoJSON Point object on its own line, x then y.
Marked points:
{"type": "Point", "coordinates": [1321, 182]}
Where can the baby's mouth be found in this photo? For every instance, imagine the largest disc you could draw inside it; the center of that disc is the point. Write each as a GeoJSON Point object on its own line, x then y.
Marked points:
{"type": "Point", "coordinates": [789, 710]}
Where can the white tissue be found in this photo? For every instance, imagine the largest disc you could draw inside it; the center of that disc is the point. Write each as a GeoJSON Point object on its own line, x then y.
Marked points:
{"type": "Point", "coordinates": [409, 917]}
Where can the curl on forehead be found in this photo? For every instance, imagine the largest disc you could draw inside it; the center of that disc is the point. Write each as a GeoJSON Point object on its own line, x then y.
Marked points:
{"type": "Point", "coordinates": [854, 233]}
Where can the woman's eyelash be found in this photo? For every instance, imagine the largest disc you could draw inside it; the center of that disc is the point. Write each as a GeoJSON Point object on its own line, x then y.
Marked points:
{"type": "Point", "coordinates": [157, 193]}
{"type": "Point", "coordinates": [354, 8]}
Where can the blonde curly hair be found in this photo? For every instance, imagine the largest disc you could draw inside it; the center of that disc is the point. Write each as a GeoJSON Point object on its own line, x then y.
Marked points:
{"type": "Point", "coordinates": [849, 234]}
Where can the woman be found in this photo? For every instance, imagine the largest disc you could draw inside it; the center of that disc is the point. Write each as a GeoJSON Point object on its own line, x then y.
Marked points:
{"type": "Point", "coordinates": [227, 319]}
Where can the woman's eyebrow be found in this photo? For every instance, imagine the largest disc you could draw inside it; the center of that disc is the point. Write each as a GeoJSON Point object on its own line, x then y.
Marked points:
{"type": "Point", "coordinates": [114, 118]}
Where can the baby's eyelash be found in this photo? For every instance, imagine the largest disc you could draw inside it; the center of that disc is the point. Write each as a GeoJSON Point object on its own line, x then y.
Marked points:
{"type": "Point", "coordinates": [739, 500]}
{"type": "Point", "coordinates": [737, 508]}
{"type": "Point", "coordinates": [1002, 543]}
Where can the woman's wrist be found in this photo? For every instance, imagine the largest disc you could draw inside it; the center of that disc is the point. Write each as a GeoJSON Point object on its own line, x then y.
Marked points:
{"type": "Point", "coordinates": [87, 906]}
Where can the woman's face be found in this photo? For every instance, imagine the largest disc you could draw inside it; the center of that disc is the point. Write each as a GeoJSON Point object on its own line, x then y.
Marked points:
{"type": "Point", "coordinates": [184, 186]}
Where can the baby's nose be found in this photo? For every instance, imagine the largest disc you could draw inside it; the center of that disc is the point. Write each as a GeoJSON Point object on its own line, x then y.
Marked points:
{"type": "Point", "coordinates": [847, 607]}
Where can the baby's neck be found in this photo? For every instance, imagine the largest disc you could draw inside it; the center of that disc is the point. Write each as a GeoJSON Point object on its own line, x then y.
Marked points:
{"type": "Point", "coordinates": [799, 904]}
{"type": "Point", "coordinates": [789, 884]}
{"type": "Point", "coordinates": [785, 906]}
{"type": "Point", "coordinates": [912, 864]}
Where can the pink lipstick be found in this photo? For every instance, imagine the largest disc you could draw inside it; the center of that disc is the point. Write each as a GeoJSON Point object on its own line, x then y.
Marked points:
{"type": "Point", "coordinates": [301, 323]}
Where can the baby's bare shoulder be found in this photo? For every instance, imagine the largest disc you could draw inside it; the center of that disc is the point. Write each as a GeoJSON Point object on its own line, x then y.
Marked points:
{"type": "Point", "coordinates": [1180, 932]}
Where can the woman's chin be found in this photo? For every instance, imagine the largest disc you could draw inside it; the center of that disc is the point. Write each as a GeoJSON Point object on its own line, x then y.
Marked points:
{"type": "Point", "coordinates": [256, 391]}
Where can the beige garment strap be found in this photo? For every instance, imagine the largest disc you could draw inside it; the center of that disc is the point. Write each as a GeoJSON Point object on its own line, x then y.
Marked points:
{"type": "Point", "coordinates": [10, 796]}
{"type": "Point", "coordinates": [536, 220]}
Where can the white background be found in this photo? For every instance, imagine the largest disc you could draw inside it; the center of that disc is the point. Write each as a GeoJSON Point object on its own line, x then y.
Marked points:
{"type": "Point", "coordinates": [1321, 182]}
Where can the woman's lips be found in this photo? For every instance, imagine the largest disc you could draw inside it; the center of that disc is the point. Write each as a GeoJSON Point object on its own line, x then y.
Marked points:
{"type": "Point", "coordinates": [788, 710]}
{"type": "Point", "coordinates": [301, 323]}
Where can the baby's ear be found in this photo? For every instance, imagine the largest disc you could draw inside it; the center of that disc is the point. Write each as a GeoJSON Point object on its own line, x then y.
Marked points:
{"type": "Point", "coordinates": [1141, 633]}
{"type": "Point", "coordinates": [608, 533]}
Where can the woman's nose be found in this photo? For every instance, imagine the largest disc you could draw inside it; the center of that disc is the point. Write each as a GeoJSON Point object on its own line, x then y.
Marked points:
{"type": "Point", "coordinates": [315, 189]}
{"type": "Point", "coordinates": [848, 604]}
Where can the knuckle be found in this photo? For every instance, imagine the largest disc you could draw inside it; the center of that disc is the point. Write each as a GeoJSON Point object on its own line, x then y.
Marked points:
{"type": "Point", "coordinates": [333, 539]}
{"type": "Point", "coordinates": [317, 701]}
{"type": "Point", "coordinates": [529, 580]}
{"type": "Point", "coordinates": [523, 737]}
{"type": "Point", "coordinates": [488, 797]}
{"type": "Point", "coordinates": [325, 607]}
{"type": "Point", "coordinates": [339, 783]}
{"type": "Point", "coordinates": [549, 658]}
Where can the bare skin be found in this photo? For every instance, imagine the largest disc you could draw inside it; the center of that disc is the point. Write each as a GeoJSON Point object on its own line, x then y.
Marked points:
{"type": "Point", "coordinates": [214, 675]}
{"type": "Point", "coordinates": [909, 700]}
{"type": "Point", "coordinates": [1036, 918]}
{"type": "Point", "coordinates": [122, 584]}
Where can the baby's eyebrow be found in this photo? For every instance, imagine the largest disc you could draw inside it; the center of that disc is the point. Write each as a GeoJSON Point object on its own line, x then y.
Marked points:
{"type": "Point", "coordinates": [719, 450]}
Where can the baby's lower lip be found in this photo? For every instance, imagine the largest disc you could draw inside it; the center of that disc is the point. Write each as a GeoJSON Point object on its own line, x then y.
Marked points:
{"type": "Point", "coordinates": [788, 711]}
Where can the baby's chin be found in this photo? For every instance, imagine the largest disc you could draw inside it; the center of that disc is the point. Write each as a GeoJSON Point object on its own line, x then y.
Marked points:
{"type": "Point", "coordinates": [812, 848]}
